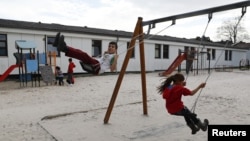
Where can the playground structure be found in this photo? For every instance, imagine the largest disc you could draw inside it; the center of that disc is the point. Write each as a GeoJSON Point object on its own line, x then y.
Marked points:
{"type": "Point", "coordinates": [190, 56]}
{"type": "Point", "coordinates": [28, 64]}
{"type": "Point", "coordinates": [8, 71]}
{"type": "Point", "coordinates": [175, 64]}
{"type": "Point", "coordinates": [32, 65]}
{"type": "Point", "coordinates": [138, 34]}
{"type": "Point", "coordinates": [244, 64]}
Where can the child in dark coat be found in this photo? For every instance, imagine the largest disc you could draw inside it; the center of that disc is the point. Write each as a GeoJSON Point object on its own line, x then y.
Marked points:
{"type": "Point", "coordinates": [59, 76]}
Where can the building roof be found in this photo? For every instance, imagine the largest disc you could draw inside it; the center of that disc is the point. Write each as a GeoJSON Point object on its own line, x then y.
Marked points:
{"type": "Point", "coordinates": [58, 27]}
{"type": "Point", "coordinates": [95, 31]}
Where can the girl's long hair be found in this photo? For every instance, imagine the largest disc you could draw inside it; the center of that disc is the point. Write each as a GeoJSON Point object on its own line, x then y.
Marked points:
{"type": "Point", "coordinates": [169, 80]}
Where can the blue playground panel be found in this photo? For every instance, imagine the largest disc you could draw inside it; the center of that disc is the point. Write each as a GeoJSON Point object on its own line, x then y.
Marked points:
{"type": "Point", "coordinates": [31, 66]}
{"type": "Point", "coordinates": [23, 44]}
{"type": "Point", "coordinates": [42, 58]}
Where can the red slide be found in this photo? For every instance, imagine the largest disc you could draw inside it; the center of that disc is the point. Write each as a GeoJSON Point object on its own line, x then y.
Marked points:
{"type": "Point", "coordinates": [174, 65]}
{"type": "Point", "coordinates": [7, 72]}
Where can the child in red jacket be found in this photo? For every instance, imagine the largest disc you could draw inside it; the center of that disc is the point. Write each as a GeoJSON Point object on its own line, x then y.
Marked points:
{"type": "Point", "coordinates": [172, 90]}
{"type": "Point", "coordinates": [71, 67]}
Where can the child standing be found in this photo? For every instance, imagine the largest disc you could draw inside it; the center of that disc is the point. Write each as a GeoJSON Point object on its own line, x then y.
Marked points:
{"type": "Point", "coordinates": [59, 76]}
{"type": "Point", "coordinates": [172, 90]}
{"type": "Point", "coordinates": [71, 67]}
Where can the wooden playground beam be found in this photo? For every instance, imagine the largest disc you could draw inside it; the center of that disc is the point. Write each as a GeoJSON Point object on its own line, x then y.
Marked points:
{"type": "Point", "coordinates": [209, 11]}
{"type": "Point", "coordinates": [138, 32]}
{"type": "Point", "coordinates": [143, 71]}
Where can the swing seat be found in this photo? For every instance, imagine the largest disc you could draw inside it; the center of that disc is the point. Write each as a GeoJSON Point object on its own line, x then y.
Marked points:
{"type": "Point", "coordinates": [89, 68]}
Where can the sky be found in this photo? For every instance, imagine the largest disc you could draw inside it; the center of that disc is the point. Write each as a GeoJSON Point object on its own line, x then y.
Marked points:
{"type": "Point", "coordinates": [123, 14]}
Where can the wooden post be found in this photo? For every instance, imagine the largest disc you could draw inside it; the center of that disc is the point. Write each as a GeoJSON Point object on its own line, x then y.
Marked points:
{"type": "Point", "coordinates": [143, 72]}
{"type": "Point", "coordinates": [137, 32]}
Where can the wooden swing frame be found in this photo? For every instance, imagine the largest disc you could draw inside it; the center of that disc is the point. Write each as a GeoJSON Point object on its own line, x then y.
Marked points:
{"type": "Point", "coordinates": [138, 34]}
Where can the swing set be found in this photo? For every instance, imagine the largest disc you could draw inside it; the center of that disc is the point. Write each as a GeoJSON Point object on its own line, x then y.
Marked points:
{"type": "Point", "coordinates": [138, 34]}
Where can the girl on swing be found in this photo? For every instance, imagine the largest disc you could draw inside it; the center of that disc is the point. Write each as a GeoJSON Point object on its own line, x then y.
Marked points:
{"type": "Point", "coordinates": [98, 66]}
{"type": "Point", "coordinates": [172, 90]}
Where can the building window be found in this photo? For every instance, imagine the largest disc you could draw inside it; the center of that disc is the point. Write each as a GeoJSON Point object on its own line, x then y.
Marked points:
{"type": "Point", "coordinates": [166, 51]}
{"type": "Point", "coordinates": [157, 51]}
{"type": "Point", "coordinates": [186, 49]}
{"type": "Point", "coordinates": [50, 47]}
{"type": "Point", "coordinates": [228, 55]}
{"type": "Point", "coordinates": [133, 50]}
{"type": "Point", "coordinates": [3, 45]}
{"type": "Point", "coordinates": [96, 48]}
{"type": "Point", "coordinates": [211, 54]}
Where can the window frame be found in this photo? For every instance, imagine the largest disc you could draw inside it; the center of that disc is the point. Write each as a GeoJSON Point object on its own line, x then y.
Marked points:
{"type": "Point", "coordinates": [157, 51]}
{"type": "Point", "coordinates": [228, 55]}
{"type": "Point", "coordinates": [4, 48]}
{"type": "Point", "coordinates": [96, 48]}
{"type": "Point", "coordinates": [165, 51]}
{"type": "Point", "coordinates": [50, 47]}
{"type": "Point", "coordinates": [211, 53]}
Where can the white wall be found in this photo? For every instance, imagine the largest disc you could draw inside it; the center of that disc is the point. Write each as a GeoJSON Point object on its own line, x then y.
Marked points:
{"type": "Point", "coordinates": [83, 42]}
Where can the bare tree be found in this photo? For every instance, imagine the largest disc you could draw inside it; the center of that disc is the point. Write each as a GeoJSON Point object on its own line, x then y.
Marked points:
{"type": "Point", "coordinates": [232, 30]}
